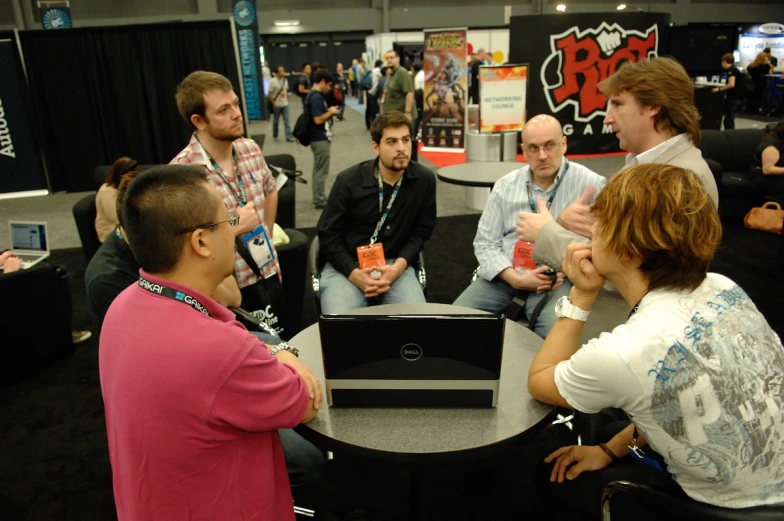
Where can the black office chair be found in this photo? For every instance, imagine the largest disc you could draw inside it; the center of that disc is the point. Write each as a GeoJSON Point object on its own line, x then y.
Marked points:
{"type": "Point", "coordinates": [665, 506]}
{"type": "Point", "coordinates": [315, 265]}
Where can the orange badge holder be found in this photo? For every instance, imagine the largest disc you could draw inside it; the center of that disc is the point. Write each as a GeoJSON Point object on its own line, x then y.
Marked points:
{"type": "Point", "coordinates": [524, 256]}
{"type": "Point", "coordinates": [371, 256]}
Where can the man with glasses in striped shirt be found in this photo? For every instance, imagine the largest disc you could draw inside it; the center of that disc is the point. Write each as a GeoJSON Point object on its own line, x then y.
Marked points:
{"type": "Point", "coordinates": [506, 269]}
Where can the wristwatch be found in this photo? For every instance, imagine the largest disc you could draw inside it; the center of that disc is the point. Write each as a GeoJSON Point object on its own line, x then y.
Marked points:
{"type": "Point", "coordinates": [284, 346]}
{"type": "Point", "coordinates": [565, 309]}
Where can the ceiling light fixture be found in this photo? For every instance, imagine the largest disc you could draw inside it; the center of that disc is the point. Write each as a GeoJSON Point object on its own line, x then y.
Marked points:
{"type": "Point", "coordinates": [560, 8]}
{"type": "Point", "coordinates": [621, 7]}
{"type": "Point", "coordinates": [286, 23]}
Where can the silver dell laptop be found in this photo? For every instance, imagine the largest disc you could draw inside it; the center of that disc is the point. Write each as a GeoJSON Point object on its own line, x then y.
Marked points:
{"type": "Point", "coordinates": [30, 241]}
{"type": "Point", "coordinates": [412, 360]}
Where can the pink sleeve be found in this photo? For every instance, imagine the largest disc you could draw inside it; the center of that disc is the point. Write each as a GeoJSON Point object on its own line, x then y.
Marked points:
{"type": "Point", "coordinates": [261, 394]}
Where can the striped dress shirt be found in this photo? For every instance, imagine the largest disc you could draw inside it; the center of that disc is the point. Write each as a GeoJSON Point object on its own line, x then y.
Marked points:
{"type": "Point", "coordinates": [496, 236]}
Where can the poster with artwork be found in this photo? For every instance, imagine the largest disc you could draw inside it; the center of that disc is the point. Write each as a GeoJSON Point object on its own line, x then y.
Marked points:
{"type": "Point", "coordinates": [446, 88]}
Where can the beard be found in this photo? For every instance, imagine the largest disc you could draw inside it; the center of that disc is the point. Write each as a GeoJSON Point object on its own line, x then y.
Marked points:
{"type": "Point", "coordinates": [227, 134]}
{"type": "Point", "coordinates": [395, 164]}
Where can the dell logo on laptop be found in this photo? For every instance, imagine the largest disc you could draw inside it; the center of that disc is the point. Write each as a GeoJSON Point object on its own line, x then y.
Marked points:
{"type": "Point", "coordinates": [411, 352]}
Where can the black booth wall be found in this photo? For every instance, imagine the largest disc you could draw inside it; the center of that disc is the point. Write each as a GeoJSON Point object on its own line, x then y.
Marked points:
{"type": "Point", "coordinates": [568, 55]}
{"type": "Point", "coordinates": [105, 92]}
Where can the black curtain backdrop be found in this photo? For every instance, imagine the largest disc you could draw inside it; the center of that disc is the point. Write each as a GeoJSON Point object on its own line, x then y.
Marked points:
{"type": "Point", "coordinates": [105, 92]}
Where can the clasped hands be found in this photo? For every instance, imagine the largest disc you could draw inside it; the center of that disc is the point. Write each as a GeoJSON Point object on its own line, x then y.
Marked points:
{"type": "Point", "coordinates": [361, 278]}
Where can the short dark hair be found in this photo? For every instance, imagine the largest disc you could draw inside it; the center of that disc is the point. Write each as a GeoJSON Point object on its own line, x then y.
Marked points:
{"type": "Point", "coordinates": [315, 66]}
{"type": "Point", "coordinates": [728, 58]}
{"type": "Point", "coordinates": [379, 63]}
{"type": "Point", "coordinates": [122, 187]}
{"type": "Point", "coordinates": [305, 65]}
{"type": "Point", "coordinates": [393, 51]}
{"type": "Point", "coordinates": [160, 202]}
{"type": "Point", "coordinates": [766, 50]}
{"type": "Point", "coordinates": [119, 168]}
{"type": "Point", "coordinates": [391, 119]}
{"type": "Point", "coordinates": [323, 74]}
{"type": "Point", "coordinates": [278, 67]}
{"type": "Point", "coordinates": [417, 67]}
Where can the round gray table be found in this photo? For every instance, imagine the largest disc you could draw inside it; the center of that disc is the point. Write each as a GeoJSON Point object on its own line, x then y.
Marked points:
{"type": "Point", "coordinates": [479, 175]}
{"type": "Point", "coordinates": [478, 178]}
{"type": "Point", "coordinates": [431, 435]}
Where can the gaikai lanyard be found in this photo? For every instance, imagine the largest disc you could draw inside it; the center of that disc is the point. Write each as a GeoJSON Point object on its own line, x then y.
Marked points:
{"type": "Point", "coordinates": [552, 195]}
{"type": "Point", "coordinates": [374, 238]}
{"type": "Point", "coordinates": [240, 197]}
{"type": "Point", "coordinates": [179, 296]}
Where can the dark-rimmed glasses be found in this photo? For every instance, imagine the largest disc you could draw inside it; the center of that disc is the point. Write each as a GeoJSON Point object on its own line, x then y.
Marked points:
{"type": "Point", "coordinates": [233, 220]}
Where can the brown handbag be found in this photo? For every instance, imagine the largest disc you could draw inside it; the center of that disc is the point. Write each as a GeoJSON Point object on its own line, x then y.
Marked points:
{"type": "Point", "coordinates": [769, 218]}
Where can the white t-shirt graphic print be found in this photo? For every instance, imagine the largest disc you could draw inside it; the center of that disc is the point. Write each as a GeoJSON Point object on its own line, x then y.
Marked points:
{"type": "Point", "coordinates": [701, 374]}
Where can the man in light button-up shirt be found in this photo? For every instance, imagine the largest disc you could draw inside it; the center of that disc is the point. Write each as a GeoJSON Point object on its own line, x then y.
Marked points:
{"type": "Point", "coordinates": [549, 179]}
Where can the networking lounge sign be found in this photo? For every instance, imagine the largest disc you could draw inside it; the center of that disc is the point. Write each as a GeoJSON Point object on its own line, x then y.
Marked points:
{"type": "Point", "coordinates": [247, 26]}
{"type": "Point", "coordinates": [502, 97]}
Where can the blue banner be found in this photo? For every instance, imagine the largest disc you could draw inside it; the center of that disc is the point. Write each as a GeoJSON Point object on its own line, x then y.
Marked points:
{"type": "Point", "coordinates": [247, 24]}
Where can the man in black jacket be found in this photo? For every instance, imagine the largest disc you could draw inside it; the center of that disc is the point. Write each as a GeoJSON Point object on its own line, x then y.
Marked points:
{"type": "Point", "coordinates": [390, 202]}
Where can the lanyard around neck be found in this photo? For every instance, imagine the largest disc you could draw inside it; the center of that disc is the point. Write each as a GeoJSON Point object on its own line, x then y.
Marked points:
{"type": "Point", "coordinates": [374, 238]}
{"type": "Point", "coordinates": [531, 201]}
{"type": "Point", "coordinates": [241, 196]}
{"type": "Point", "coordinates": [179, 296]}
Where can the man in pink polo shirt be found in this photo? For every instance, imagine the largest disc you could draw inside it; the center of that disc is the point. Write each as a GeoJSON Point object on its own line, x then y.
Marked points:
{"type": "Point", "coordinates": [193, 401]}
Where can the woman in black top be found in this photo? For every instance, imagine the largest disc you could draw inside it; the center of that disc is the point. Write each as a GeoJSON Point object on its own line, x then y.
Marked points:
{"type": "Point", "coordinates": [757, 70]}
{"type": "Point", "coordinates": [770, 156]}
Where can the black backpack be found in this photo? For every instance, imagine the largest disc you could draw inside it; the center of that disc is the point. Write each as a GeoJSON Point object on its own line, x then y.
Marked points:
{"type": "Point", "coordinates": [302, 128]}
{"type": "Point", "coordinates": [744, 83]}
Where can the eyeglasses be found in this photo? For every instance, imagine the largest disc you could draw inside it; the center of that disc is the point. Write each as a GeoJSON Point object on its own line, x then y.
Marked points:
{"type": "Point", "coordinates": [534, 150]}
{"type": "Point", "coordinates": [233, 220]}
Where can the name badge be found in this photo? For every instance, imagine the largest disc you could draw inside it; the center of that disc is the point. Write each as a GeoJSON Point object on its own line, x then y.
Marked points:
{"type": "Point", "coordinates": [523, 258]}
{"type": "Point", "coordinates": [371, 256]}
{"type": "Point", "coordinates": [259, 246]}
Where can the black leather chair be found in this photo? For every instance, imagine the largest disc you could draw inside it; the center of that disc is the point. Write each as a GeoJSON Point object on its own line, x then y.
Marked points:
{"type": "Point", "coordinates": [285, 164]}
{"type": "Point", "coordinates": [738, 180]}
{"type": "Point", "coordinates": [84, 213]}
{"type": "Point", "coordinates": [36, 321]}
{"type": "Point", "coordinates": [666, 506]}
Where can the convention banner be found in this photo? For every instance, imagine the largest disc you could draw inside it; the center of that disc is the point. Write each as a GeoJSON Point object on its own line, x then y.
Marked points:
{"type": "Point", "coordinates": [446, 85]}
{"type": "Point", "coordinates": [55, 15]}
{"type": "Point", "coordinates": [753, 44]}
{"type": "Point", "coordinates": [502, 90]}
{"type": "Point", "coordinates": [247, 26]}
{"type": "Point", "coordinates": [21, 169]}
{"type": "Point", "coordinates": [570, 54]}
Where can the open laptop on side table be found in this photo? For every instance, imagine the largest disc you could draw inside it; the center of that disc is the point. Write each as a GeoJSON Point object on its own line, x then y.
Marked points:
{"type": "Point", "coordinates": [29, 241]}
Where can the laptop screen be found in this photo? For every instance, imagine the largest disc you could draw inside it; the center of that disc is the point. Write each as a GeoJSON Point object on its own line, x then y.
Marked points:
{"type": "Point", "coordinates": [29, 237]}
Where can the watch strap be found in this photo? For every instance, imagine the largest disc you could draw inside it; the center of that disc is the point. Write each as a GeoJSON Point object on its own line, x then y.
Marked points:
{"type": "Point", "coordinates": [284, 346]}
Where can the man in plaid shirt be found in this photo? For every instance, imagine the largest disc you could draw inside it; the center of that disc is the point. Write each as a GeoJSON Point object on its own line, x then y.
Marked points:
{"type": "Point", "coordinates": [234, 164]}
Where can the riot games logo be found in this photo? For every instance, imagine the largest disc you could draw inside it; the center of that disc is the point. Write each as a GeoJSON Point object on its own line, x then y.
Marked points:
{"type": "Point", "coordinates": [580, 60]}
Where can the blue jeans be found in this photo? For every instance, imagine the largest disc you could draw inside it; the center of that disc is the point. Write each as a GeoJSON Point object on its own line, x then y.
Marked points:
{"type": "Point", "coordinates": [340, 295]}
{"type": "Point", "coordinates": [305, 463]}
{"type": "Point", "coordinates": [286, 125]}
{"type": "Point", "coordinates": [495, 297]}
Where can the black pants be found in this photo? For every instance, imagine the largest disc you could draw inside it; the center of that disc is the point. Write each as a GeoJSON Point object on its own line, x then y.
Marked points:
{"type": "Point", "coordinates": [371, 110]}
{"type": "Point", "coordinates": [521, 480]}
{"type": "Point", "coordinates": [731, 106]}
